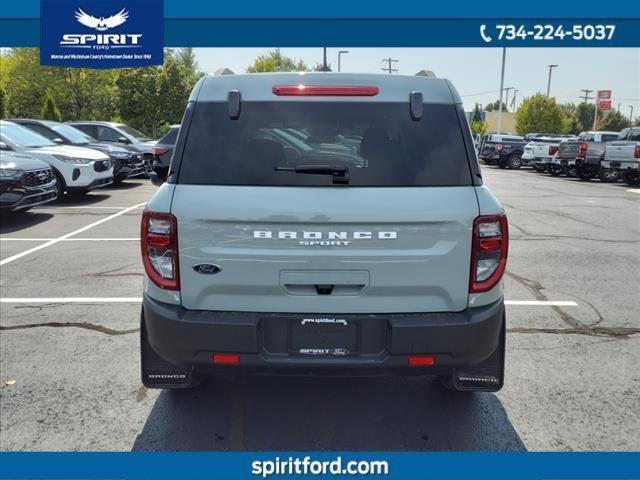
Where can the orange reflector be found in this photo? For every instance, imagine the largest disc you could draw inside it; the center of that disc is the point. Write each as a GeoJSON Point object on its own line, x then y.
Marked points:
{"type": "Point", "coordinates": [226, 358]}
{"type": "Point", "coordinates": [421, 360]}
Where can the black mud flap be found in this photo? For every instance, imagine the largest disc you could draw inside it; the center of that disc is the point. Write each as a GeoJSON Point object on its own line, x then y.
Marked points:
{"type": "Point", "coordinates": [487, 376]}
{"type": "Point", "coordinates": [157, 372]}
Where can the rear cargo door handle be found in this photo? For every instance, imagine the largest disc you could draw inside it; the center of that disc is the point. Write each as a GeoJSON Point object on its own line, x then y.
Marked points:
{"type": "Point", "coordinates": [335, 283]}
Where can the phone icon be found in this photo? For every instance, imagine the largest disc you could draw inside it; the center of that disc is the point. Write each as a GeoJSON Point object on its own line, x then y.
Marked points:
{"type": "Point", "coordinates": [483, 34]}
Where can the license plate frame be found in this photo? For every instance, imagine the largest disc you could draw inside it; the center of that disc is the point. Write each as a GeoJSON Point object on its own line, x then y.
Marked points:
{"type": "Point", "coordinates": [323, 336]}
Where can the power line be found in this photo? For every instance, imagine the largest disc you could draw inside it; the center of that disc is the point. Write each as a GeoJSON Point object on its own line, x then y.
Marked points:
{"type": "Point", "coordinates": [586, 96]}
{"type": "Point", "coordinates": [389, 69]}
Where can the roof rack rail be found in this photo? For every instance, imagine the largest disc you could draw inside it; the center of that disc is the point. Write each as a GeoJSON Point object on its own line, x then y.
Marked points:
{"type": "Point", "coordinates": [223, 71]}
{"type": "Point", "coordinates": [425, 73]}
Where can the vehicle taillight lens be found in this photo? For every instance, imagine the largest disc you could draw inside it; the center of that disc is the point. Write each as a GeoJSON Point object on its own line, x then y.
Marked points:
{"type": "Point", "coordinates": [325, 90]}
{"type": "Point", "coordinates": [159, 242]}
{"type": "Point", "coordinates": [489, 252]}
{"type": "Point", "coordinates": [553, 150]}
{"type": "Point", "coordinates": [636, 152]}
{"type": "Point", "coordinates": [582, 151]}
{"type": "Point", "coordinates": [159, 151]}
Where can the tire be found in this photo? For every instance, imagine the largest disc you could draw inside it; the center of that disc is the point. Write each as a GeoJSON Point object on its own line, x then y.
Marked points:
{"type": "Point", "coordinates": [514, 162]}
{"type": "Point", "coordinates": [608, 175]}
{"type": "Point", "coordinates": [585, 173]}
{"type": "Point", "coordinates": [60, 187]}
{"type": "Point", "coordinates": [570, 171]}
{"type": "Point", "coordinates": [555, 170]}
{"type": "Point", "coordinates": [632, 179]}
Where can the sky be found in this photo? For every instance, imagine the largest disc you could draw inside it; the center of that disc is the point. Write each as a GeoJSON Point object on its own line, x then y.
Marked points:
{"type": "Point", "coordinates": [475, 72]}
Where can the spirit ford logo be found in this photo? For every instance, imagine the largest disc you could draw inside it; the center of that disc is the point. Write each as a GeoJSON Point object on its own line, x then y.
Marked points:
{"type": "Point", "coordinates": [311, 238]}
{"type": "Point", "coordinates": [101, 24]}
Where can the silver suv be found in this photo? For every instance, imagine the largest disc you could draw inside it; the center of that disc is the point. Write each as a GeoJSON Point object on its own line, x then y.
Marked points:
{"type": "Point", "coordinates": [324, 222]}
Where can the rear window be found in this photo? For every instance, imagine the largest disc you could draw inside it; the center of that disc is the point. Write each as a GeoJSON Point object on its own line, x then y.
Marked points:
{"type": "Point", "coordinates": [378, 143]}
{"type": "Point", "coordinates": [609, 137]}
{"type": "Point", "coordinates": [170, 137]}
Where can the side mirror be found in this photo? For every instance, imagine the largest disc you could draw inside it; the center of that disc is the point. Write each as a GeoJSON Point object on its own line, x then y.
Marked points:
{"type": "Point", "coordinates": [158, 176]}
{"type": "Point", "coordinates": [59, 141]}
{"type": "Point", "coordinates": [123, 140]}
{"type": "Point", "coordinates": [4, 146]}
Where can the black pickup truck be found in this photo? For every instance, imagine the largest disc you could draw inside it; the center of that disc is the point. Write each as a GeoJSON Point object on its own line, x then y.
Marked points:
{"type": "Point", "coordinates": [502, 150]}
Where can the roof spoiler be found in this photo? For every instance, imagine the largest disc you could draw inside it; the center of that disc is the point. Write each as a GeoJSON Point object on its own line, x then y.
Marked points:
{"type": "Point", "coordinates": [425, 73]}
{"type": "Point", "coordinates": [223, 71]}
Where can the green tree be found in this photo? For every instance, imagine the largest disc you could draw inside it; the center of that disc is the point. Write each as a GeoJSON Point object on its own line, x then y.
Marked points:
{"type": "Point", "coordinates": [496, 106]}
{"type": "Point", "coordinates": [539, 114]}
{"type": "Point", "coordinates": [570, 123]}
{"type": "Point", "coordinates": [477, 115]}
{"type": "Point", "coordinates": [49, 110]}
{"type": "Point", "coordinates": [479, 127]}
{"type": "Point", "coordinates": [174, 88]}
{"type": "Point", "coordinates": [274, 61]}
{"type": "Point", "coordinates": [637, 122]}
{"type": "Point", "coordinates": [614, 121]}
{"type": "Point", "coordinates": [140, 105]}
{"type": "Point", "coordinates": [3, 102]}
{"type": "Point", "coordinates": [585, 113]}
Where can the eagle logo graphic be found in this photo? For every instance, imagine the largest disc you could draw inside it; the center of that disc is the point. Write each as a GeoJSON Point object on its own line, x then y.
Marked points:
{"type": "Point", "coordinates": [101, 24]}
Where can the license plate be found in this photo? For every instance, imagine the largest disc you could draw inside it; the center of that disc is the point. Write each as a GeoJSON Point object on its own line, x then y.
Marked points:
{"type": "Point", "coordinates": [323, 336]}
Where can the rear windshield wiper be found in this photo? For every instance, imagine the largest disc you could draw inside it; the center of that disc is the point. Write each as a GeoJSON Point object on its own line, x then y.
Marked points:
{"type": "Point", "coordinates": [340, 173]}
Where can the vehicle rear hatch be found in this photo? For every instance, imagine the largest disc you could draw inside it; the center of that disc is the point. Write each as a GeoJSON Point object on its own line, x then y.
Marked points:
{"type": "Point", "coordinates": [568, 149]}
{"type": "Point", "coordinates": [395, 238]}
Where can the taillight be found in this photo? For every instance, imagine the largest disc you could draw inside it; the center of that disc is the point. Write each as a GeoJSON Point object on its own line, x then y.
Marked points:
{"type": "Point", "coordinates": [325, 90]}
{"type": "Point", "coordinates": [159, 242]}
{"type": "Point", "coordinates": [636, 151]}
{"type": "Point", "coordinates": [553, 149]}
{"type": "Point", "coordinates": [159, 151]}
{"type": "Point", "coordinates": [582, 151]}
{"type": "Point", "coordinates": [488, 252]}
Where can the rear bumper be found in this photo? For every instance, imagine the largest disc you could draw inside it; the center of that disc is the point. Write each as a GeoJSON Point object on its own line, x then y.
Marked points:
{"type": "Point", "coordinates": [188, 339]}
{"type": "Point", "coordinates": [622, 164]}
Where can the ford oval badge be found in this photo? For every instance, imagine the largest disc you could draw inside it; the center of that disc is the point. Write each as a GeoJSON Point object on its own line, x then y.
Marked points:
{"type": "Point", "coordinates": [207, 268]}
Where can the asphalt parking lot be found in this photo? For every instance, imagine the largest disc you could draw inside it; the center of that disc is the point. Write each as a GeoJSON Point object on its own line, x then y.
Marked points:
{"type": "Point", "coordinates": [70, 279]}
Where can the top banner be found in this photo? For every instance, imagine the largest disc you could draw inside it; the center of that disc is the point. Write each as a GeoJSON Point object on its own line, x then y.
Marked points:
{"type": "Point", "coordinates": [355, 9]}
{"type": "Point", "coordinates": [332, 23]}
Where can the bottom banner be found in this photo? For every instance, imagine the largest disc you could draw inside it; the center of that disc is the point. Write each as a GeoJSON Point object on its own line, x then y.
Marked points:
{"type": "Point", "coordinates": [281, 465]}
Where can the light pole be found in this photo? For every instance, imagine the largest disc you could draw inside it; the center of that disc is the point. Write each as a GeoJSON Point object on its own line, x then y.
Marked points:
{"type": "Point", "coordinates": [551, 67]}
{"type": "Point", "coordinates": [504, 58]}
{"type": "Point", "coordinates": [339, 55]}
{"type": "Point", "coordinates": [631, 112]}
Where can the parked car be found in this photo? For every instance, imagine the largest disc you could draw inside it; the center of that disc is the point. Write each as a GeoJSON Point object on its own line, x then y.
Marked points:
{"type": "Point", "coordinates": [77, 169]}
{"type": "Point", "coordinates": [127, 162]}
{"type": "Point", "coordinates": [582, 156]}
{"type": "Point", "coordinates": [539, 152]}
{"type": "Point", "coordinates": [24, 182]}
{"type": "Point", "coordinates": [119, 134]}
{"type": "Point", "coordinates": [503, 150]}
{"type": "Point", "coordinates": [254, 262]}
{"type": "Point", "coordinates": [163, 150]}
{"type": "Point", "coordinates": [623, 156]}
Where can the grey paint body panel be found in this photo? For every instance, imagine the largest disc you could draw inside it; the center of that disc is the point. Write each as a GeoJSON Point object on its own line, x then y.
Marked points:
{"type": "Point", "coordinates": [425, 269]}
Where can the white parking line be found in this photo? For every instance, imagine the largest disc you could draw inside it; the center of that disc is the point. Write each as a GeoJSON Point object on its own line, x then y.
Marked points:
{"type": "Point", "coordinates": [551, 303]}
{"type": "Point", "coordinates": [79, 207]}
{"type": "Point", "coordinates": [64, 237]}
{"type": "Point", "coordinates": [139, 299]}
{"type": "Point", "coordinates": [86, 239]}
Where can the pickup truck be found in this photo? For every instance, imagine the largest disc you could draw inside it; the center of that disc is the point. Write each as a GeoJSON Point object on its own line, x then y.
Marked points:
{"type": "Point", "coordinates": [581, 157]}
{"type": "Point", "coordinates": [502, 150]}
{"type": "Point", "coordinates": [539, 152]}
{"type": "Point", "coordinates": [623, 156]}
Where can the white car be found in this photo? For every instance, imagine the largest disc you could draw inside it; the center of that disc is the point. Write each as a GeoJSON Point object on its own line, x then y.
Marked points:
{"type": "Point", "coordinates": [540, 152]}
{"type": "Point", "coordinates": [77, 169]}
